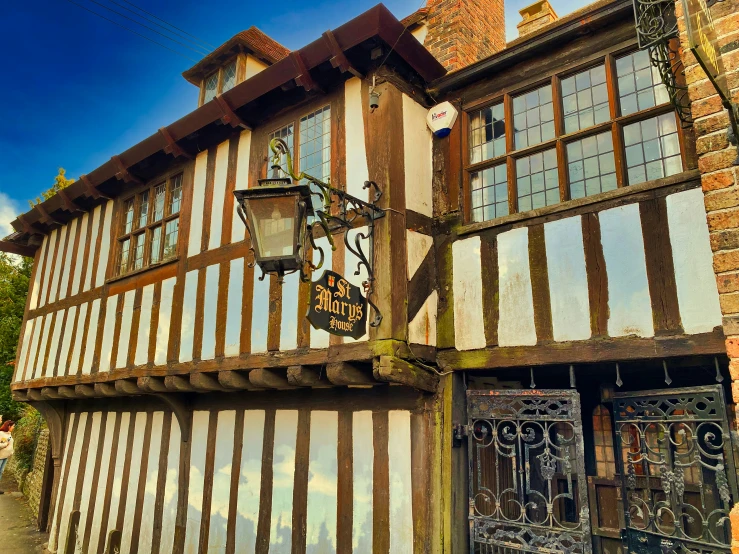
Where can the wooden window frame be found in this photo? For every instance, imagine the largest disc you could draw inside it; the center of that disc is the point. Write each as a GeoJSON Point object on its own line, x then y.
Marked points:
{"type": "Point", "coordinates": [219, 86]}
{"type": "Point", "coordinates": [147, 229]}
{"type": "Point", "coordinates": [614, 125]}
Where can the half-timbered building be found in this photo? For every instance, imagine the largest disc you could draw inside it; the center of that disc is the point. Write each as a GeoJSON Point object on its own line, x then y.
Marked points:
{"type": "Point", "coordinates": [550, 370]}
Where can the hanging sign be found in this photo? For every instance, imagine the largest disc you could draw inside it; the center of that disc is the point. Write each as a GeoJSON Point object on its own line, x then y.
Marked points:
{"type": "Point", "coordinates": [703, 42]}
{"type": "Point", "coordinates": [337, 306]}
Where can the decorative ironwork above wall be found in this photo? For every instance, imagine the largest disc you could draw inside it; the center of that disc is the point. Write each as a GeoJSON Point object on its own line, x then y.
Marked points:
{"type": "Point", "coordinates": [657, 31]}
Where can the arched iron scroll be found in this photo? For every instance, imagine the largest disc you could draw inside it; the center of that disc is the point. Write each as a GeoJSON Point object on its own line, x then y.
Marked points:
{"type": "Point", "coordinates": [657, 31]}
{"type": "Point", "coordinates": [338, 211]}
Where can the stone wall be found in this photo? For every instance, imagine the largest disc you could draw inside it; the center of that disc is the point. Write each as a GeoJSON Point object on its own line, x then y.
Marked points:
{"type": "Point", "coordinates": [29, 482]}
{"type": "Point", "coordinates": [720, 178]}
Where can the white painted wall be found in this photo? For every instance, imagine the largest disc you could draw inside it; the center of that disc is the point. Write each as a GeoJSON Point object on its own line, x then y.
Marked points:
{"type": "Point", "coordinates": [238, 230]}
{"type": "Point", "coordinates": [323, 471]}
{"type": "Point", "coordinates": [254, 66]}
{"type": "Point", "coordinates": [401, 478]}
{"type": "Point", "coordinates": [420, 33]}
{"type": "Point", "coordinates": [516, 324]}
{"type": "Point", "coordinates": [356, 153]}
{"type": "Point", "coordinates": [212, 275]}
{"type": "Point", "coordinates": [196, 215]}
{"type": "Point", "coordinates": [469, 330]}
{"type": "Point", "coordinates": [422, 329]}
{"type": "Point", "coordinates": [219, 195]}
{"type": "Point", "coordinates": [418, 151]}
{"type": "Point", "coordinates": [165, 312]}
{"type": "Point", "coordinates": [187, 330]}
{"type": "Point", "coordinates": [363, 454]}
{"type": "Point", "coordinates": [235, 304]}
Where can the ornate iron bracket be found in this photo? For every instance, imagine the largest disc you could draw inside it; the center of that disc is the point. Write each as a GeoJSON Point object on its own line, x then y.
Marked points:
{"type": "Point", "coordinates": [335, 210]}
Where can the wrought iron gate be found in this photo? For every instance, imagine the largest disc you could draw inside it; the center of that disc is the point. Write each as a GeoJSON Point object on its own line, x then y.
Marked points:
{"type": "Point", "coordinates": [528, 490]}
{"type": "Point", "coordinates": [678, 470]}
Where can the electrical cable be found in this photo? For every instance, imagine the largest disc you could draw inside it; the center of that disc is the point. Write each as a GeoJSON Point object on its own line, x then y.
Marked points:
{"type": "Point", "coordinates": [167, 30]}
{"type": "Point", "coordinates": [132, 31]}
{"type": "Point", "coordinates": [174, 27]}
{"type": "Point", "coordinates": [199, 52]}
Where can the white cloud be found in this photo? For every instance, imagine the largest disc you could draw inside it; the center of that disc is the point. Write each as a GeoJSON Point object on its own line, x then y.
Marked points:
{"type": "Point", "coordinates": [9, 210]}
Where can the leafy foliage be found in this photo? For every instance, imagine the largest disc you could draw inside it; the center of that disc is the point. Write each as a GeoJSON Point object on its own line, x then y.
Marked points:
{"type": "Point", "coordinates": [25, 436]}
{"type": "Point", "coordinates": [60, 182]}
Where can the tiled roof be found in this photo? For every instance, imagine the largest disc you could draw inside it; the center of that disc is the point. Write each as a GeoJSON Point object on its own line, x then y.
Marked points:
{"type": "Point", "coordinates": [255, 40]}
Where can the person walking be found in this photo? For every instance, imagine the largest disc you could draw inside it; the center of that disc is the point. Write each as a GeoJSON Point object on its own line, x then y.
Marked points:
{"type": "Point", "coordinates": [6, 446]}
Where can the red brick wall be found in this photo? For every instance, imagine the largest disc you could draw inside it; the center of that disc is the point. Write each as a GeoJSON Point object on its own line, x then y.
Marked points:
{"type": "Point", "coordinates": [720, 180]}
{"type": "Point", "coordinates": [461, 32]}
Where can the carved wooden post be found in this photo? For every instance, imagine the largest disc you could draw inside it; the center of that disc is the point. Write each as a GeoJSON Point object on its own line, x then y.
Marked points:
{"type": "Point", "coordinates": [54, 414]}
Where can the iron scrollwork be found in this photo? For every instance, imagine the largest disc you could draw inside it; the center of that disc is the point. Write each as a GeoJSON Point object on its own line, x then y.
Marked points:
{"type": "Point", "coordinates": [335, 210]}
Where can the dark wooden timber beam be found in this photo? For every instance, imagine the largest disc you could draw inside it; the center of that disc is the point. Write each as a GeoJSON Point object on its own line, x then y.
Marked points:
{"type": "Point", "coordinates": [303, 78]}
{"type": "Point", "coordinates": [269, 379]}
{"type": "Point", "coordinates": [172, 147]}
{"type": "Point", "coordinates": [91, 190]}
{"type": "Point", "coordinates": [339, 59]}
{"type": "Point", "coordinates": [395, 370]}
{"type": "Point", "coordinates": [302, 376]}
{"type": "Point", "coordinates": [122, 173]}
{"type": "Point", "coordinates": [343, 373]}
{"type": "Point", "coordinates": [125, 387]}
{"type": "Point", "coordinates": [45, 217]}
{"type": "Point", "coordinates": [205, 383]}
{"type": "Point", "coordinates": [65, 392]}
{"type": "Point", "coordinates": [50, 393]}
{"type": "Point", "coordinates": [235, 380]}
{"type": "Point", "coordinates": [105, 389]}
{"type": "Point", "coordinates": [35, 395]}
{"type": "Point", "coordinates": [151, 384]}
{"type": "Point", "coordinates": [69, 204]}
{"type": "Point", "coordinates": [25, 226]}
{"type": "Point", "coordinates": [177, 383]}
{"type": "Point", "coordinates": [230, 117]}
{"type": "Point", "coordinates": [19, 395]}
{"type": "Point", "coordinates": [12, 248]}
{"type": "Point", "coordinates": [84, 391]}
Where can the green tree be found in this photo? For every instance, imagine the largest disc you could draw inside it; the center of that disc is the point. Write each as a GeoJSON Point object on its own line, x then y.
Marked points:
{"type": "Point", "coordinates": [14, 280]}
{"type": "Point", "coordinates": [60, 182]}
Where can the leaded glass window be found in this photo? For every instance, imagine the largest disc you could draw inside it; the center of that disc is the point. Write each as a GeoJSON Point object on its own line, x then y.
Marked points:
{"type": "Point", "coordinates": [489, 193]}
{"type": "Point", "coordinates": [229, 77]}
{"type": "Point", "coordinates": [585, 99]}
{"type": "Point", "coordinates": [533, 117]}
{"type": "Point", "coordinates": [537, 182]}
{"type": "Point", "coordinates": [487, 130]}
{"type": "Point", "coordinates": [211, 88]}
{"type": "Point", "coordinates": [591, 166]}
{"type": "Point", "coordinates": [652, 149]}
{"type": "Point", "coordinates": [286, 133]}
{"type": "Point", "coordinates": [639, 83]}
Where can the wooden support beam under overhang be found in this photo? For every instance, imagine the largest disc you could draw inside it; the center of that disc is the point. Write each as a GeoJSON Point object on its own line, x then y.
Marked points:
{"type": "Point", "coordinates": [70, 205]}
{"type": "Point", "coordinates": [50, 393]}
{"type": "Point", "coordinates": [64, 392]}
{"type": "Point", "coordinates": [177, 383]}
{"type": "Point", "coordinates": [126, 387]}
{"type": "Point", "coordinates": [304, 376]}
{"type": "Point", "coordinates": [344, 373]}
{"type": "Point", "coordinates": [12, 248]}
{"type": "Point", "coordinates": [339, 59]}
{"type": "Point", "coordinates": [401, 372]}
{"type": "Point", "coordinates": [85, 391]}
{"type": "Point", "coordinates": [90, 190]}
{"type": "Point", "coordinates": [229, 116]}
{"type": "Point", "coordinates": [235, 380]}
{"type": "Point", "coordinates": [35, 395]}
{"type": "Point", "coordinates": [172, 147]}
{"type": "Point", "coordinates": [203, 382]}
{"type": "Point", "coordinates": [106, 389]}
{"type": "Point", "coordinates": [269, 379]}
{"type": "Point", "coordinates": [151, 384]}
{"type": "Point", "coordinates": [19, 395]}
{"type": "Point", "coordinates": [122, 173]}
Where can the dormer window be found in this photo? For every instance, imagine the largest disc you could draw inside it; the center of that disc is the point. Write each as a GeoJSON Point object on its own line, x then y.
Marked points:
{"type": "Point", "coordinates": [219, 81]}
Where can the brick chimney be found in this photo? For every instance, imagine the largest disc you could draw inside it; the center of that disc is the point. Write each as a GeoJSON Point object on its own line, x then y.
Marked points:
{"type": "Point", "coordinates": [461, 32]}
{"type": "Point", "coordinates": [535, 16]}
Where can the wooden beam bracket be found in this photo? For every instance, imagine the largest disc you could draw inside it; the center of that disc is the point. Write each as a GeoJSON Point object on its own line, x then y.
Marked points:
{"type": "Point", "coordinates": [234, 380]}
{"type": "Point", "coordinates": [229, 116]}
{"type": "Point", "coordinates": [343, 373]}
{"type": "Point", "coordinates": [304, 78]}
{"type": "Point", "coordinates": [91, 190]}
{"type": "Point", "coordinates": [182, 411]}
{"type": "Point", "coordinates": [396, 370]}
{"type": "Point", "coordinates": [203, 382]}
{"type": "Point", "coordinates": [269, 379]}
{"type": "Point", "coordinates": [303, 376]}
{"type": "Point", "coordinates": [45, 217]}
{"type": "Point", "coordinates": [172, 147]}
{"type": "Point", "coordinates": [123, 174]}
{"type": "Point", "coordinates": [339, 59]}
{"type": "Point", "coordinates": [70, 205]}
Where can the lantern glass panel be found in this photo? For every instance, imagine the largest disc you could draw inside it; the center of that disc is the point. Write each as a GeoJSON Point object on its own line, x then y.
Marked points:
{"type": "Point", "coordinates": [274, 220]}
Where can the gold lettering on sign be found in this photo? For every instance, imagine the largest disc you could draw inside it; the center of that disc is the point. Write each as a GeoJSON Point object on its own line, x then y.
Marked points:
{"type": "Point", "coordinates": [704, 21]}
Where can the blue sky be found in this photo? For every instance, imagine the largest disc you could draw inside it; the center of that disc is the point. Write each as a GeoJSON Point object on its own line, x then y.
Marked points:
{"type": "Point", "coordinates": [79, 89]}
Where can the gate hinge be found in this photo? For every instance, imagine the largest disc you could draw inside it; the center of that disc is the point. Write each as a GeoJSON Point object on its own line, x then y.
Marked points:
{"type": "Point", "coordinates": [459, 432]}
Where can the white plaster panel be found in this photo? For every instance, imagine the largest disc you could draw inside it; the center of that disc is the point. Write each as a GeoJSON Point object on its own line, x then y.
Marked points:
{"type": "Point", "coordinates": [568, 279]}
{"type": "Point", "coordinates": [133, 479]}
{"type": "Point", "coordinates": [250, 481]}
{"type": "Point", "coordinates": [144, 331]}
{"type": "Point", "coordinates": [219, 195]}
{"type": "Point", "coordinates": [197, 480]}
{"type": "Point", "coordinates": [88, 471]}
{"type": "Point", "coordinates": [66, 343]}
{"type": "Point", "coordinates": [74, 467]}
{"type": "Point", "coordinates": [55, 337]}
{"type": "Point", "coordinates": [422, 329]}
{"type": "Point", "coordinates": [188, 316]}
{"type": "Point", "coordinates": [78, 264]}
{"type": "Point", "coordinates": [318, 337]}
{"type": "Point", "coordinates": [283, 477]}
{"type": "Point", "coordinates": [105, 455]}
{"type": "Point", "coordinates": [62, 237]}
{"type": "Point", "coordinates": [418, 247]}
{"type": "Point", "coordinates": [420, 33]}
{"type": "Point", "coordinates": [697, 295]}
{"type": "Point", "coordinates": [356, 152]}
{"type": "Point", "coordinates": [516, 305]}
{"type": "Point", "coordinates": [289, 324]}
{"type": "Point", "coordinates": [350, 264]}
{"type": "Point", "coordinates": [401, 479]}
{"type": "Point", "coordinates": [27, 332]}
{"type": "Point", "coordinates": [92, 330]}
{"type": "Point", "coordinates": [323, 471]}
{"type": "Point", "coordinates": [120, 463]}
{"type": "Point", "coordinates": [208, 350]}
{"type": "Point", "coordinates": [106, 348]}
{"type": "Point", "coordinates": [221, 493]}
{"type": "Point", "coordinates": [93, 244]}
{"type": "Point", "coordinates": [363, 454]}
{"type": "Point", "coordinates": [196, 214]}
{"type": "Point", "coordinates": [238, 230]}
{"type": "Point", "coordinates": [418, 145]}
{"type": "Point", "coordinates": [67, 443]}
{"type": "Point", "coordinates": [66, 267]}
{"type": "Point", "coordinates": [33, 349]}
{"type": "Point", "coordinates": [234, 307]}
{"type": "Point", "coordinates": [104, 244]}
{"type": "Point", "coordinates": [76, 361]}
{"type": "Point", "coordinates": [146, 531]}
{"type": "Point", "coordinates": [629, 304]}
{"type": "Point", "coordinates": [260, 313]}
{"type": "Point", "coordinates": [469, 329]}
{"type": "Point", "coordinates": [169, 509]}
{"type": "Point", "coordinates": [47, 270]}
{"type": "Point", "coordinates": [45, 331]}
{"type": "Point", "coordinates": [165, 314]}
{"type": "Point", "coordinates": [37, 277]}
{"type": "Point", "coordinates": [125, 334]}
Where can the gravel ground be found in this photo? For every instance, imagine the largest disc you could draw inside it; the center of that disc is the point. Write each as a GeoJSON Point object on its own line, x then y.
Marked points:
{"type": "Point", "coordinates": [19, 534]}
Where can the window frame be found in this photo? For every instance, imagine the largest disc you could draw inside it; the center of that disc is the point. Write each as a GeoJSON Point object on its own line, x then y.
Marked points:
{"type": "Point", "coordinates": [147, 230]}
{"type": "Point", "coordinates": [235, 59]}
{"type": "Point", "coordinates": [614, 125]}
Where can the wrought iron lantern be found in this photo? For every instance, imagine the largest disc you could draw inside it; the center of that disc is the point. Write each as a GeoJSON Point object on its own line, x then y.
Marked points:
{"type": "Point", "coordinates": [281, 217]}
